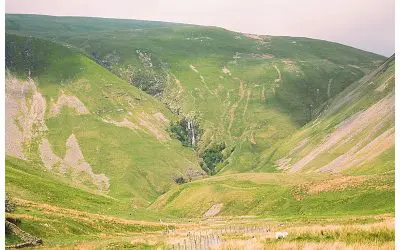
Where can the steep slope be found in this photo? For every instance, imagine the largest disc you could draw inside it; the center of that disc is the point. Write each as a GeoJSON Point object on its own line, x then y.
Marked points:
{"type": "Point", "coordinates": [354, 134]}
{"type": "Point", "coordinates": [243, 94]}
{"type": "Point", "coordinates": [341, 163]}
{"type": "Point", "coordinates": [67, 115]}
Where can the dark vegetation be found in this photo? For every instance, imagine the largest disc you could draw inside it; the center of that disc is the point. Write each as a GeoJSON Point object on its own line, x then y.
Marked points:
{"type": "Point", "coordinates": [211, 157]}
{"type": "Point", "coordinates": [187, 131]}
{"type": "Point", "coordinates": [180, 180]}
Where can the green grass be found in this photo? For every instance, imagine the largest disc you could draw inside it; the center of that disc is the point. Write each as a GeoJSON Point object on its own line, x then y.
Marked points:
{"type": "Point", "coordinates": [12, 239]}
{"type": "Point", "coordinates": [274, 195]}
{"type": "Point", "coordinates": [173, 47]}
{"type": "Point", "coordinates": [363, 95]}
{"type": "Point", "coordinates": [125, 156]}
{"type": "Point", "coordinates": [259, 118]}
{"type": "Point", "coordinates": [60, 230]}
{"type": "Point", "coordinates": [350, 237]}
{"type": "Point", "coordinates": [33, 183]}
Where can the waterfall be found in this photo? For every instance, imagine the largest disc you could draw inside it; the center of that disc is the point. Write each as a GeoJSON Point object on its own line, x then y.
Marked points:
{"type": "Point", "coordinates": [193, 137]}
{"type": "Point", "coordinates": [191, 132]}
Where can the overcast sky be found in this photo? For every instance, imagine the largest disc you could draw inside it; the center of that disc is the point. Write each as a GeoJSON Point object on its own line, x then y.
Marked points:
{"type": "Point", "coordinates": [365, 24]}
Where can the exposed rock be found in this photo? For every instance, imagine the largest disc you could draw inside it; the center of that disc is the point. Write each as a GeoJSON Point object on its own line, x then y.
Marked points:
{"type": "Point", "coordinates": [73, 161]}
{"type": "Point", "coordinates": [193, 68]}
{"type": "Point", "coordinates": [49, 159]}
{"type": "Point", "coordinates": [151, 125]}
{"type": "Point", "coordinates": [380, 112]}
{"type": "Point", "coordinates": [160, 117]}
{"type": "Point", "coordinates": [226, 70]}
{"type": "Point", "coordinates": [214, 210]}
{"type": "Point", "coordinates": [68, 101]}
{"type": "Point", "coordinates": [29, 240]}
{"type": "Point", "coordinates": [254, 36]}
{"type": "Point", "coordinates": [125, 123]}
{"type": "Point", "coordinates": [193, 174]}
{"type": "Point", "coordinates": [357, 155]}
{"type": "Point", "coordinates": [25, 113]}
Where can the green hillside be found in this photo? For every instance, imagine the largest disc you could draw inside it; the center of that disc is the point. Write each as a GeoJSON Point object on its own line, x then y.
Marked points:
{"type": "Point", "coordinates": [118, 132]}
{"type": "Point", "coordinates": [245, 91]}
{"type": "Point", "coordinates": [282, 196]}
{"type": "Point", "coordinates": [354, 134]}
{"type": "Point", "coordinates": [342, 163]}
{"type": "Point", "coordinates": [78, 120]}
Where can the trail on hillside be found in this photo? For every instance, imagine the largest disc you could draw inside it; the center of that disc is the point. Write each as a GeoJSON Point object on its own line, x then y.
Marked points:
{"type": "Point", "coordinates": [86, 216]}
{"type": "Point", "coordinates": [279, 74]}
{"type": "Point", "coordinates": [247, 102]}
{"type": "Point", "coordinates": [235, 105]}
{"type": "Point", "coordinates": [226, 103]}
{"type": "Point", "coordinates": [383, 86]}
{"type": "Point", "coordinates": [262, 95]}
{"type": "Point", "coordinates": [202, 79]}
{"type": "Point", "coordinates": [329, 88]}
{"type": "Point", "coordinates": [252, 139]}
{"type": "Point", "coordinates": [277, 80]}
{"type": "Point", "coordinates": [124, 123]}
{"type": "Point", "coordinates": [206, 85]}
{"type": "Point", "coordinates": [178, 83]}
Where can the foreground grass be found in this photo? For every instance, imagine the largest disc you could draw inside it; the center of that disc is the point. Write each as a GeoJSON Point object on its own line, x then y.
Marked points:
{"type": "Point", "coordinates": [34, 184]}
{"type": "Point", "coordinates": [282, 196]}
{"type": "Point", "coordinates": [371, 233]}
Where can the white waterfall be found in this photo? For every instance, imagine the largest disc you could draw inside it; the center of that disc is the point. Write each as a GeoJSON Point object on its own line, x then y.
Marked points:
{"type": "Point", "coordinates": [191, 131]}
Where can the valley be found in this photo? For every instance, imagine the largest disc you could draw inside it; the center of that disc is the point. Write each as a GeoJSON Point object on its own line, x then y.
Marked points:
{"type": "Point", "coordinates": [154, 135]}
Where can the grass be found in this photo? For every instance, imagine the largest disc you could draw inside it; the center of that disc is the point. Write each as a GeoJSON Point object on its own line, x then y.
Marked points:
{"type": "Point", "coordinates": [58, 229]}
{"type": "Point", "coordinates": [340, 109]}
{"type": "Point", "coordinates": [21, 183]}
{"type": "Point", "coordinates": [276, 195]}
{"type": "Point", "coordinates": [123, 155]}
{"type": "Point", "coordinates": [306, 67]}
{"type": "Point", "coordinates": [259, 108]}
{"type": "Point", "coordinates": [357, 232]}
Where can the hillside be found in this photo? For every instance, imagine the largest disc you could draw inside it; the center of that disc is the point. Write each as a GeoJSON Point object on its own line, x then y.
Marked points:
{"type": "Point", "coordinates": [68, 115]}
{"type": "Point", "coordinates": [141, 134]}
{"type": "Point", "coordinates": [342, 163]}
{"type": "Point", "coordinates": [242, 93]}
{"type": "Point", "coordinates": [354, 134]}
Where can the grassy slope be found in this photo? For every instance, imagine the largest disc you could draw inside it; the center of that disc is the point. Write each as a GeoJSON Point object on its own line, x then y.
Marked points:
{"type": "Point", "coordinates": [137, 177]}
{"type": "Point", "coordinates": [361, 96]}
{"type": "Point", "coordinates": [251, 118]}
{"type": "Point", "coordinates": [123, 155]}
{"type": "Point", "coordinates": [280, 195]}
{"type": "Point", "coordinates": [365, 188]}
{"type": "Point", "coordinates": [42, 197]}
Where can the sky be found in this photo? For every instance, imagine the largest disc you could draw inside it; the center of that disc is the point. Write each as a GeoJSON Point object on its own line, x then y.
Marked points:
{"type": "Point", "coordinates": [364, 24]}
